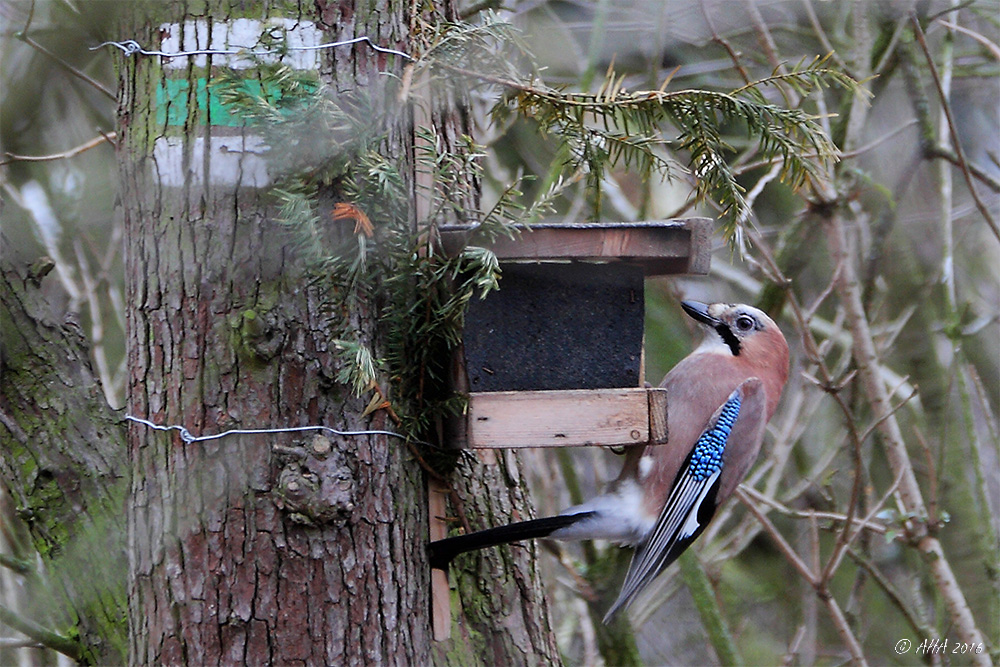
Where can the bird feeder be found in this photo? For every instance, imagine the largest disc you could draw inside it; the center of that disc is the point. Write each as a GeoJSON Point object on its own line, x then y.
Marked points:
{"type": "Point", "coordinates": [555, 357]}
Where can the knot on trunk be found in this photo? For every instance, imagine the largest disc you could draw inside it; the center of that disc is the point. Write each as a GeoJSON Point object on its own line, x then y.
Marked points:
{"type": "Point", "coordinates": [318, 486]}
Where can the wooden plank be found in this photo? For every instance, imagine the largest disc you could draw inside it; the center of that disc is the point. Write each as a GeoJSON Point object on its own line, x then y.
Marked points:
{"type": "Point", "coordinates": [661, 247]}
{"type": "Point", "coordinates": [440, 593]}
{"type": "Point", "coordinates": [569, 418]}
{"type": "Point", "coordinates": [657, 416]}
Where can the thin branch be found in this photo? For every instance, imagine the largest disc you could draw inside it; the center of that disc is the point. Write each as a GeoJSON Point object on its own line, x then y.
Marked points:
{"type": "Point", "coordinates": [783, 546]}
{"type": "Point", "coordinates": [842, 547]}
{"type": "Point", "coordinates": [949, 10]}
{"type": "Point", "coordinates": [877, 142]}
{"type": "Point", "coordinates": [792, 98]}
{"type": "Point", "coordinates": [987, 410]}
{"type": "Point", "coordinates": [869, 366]}
{"type": "Point", "coordinates": [866, 523]}
{"type": "Point", "coordinates": [991, 46]}
{"type": "Point", "coordinates": [86, 146]}
{"type": "Point", "coordinates": [31, 17]}
{"type": "Point", "coordinates": [43, 636]}
{"type": "Point", "coordinates": [19, 565]}
{"type": "Point", "coordinates": [821, 35]}
{"type": "Point", "coordinates": [33, 199]}
{"type": "Point", "coordinates": [810, 312]}
{"type": "Point", "coordinates": [581, 585]}
{"type": "Point", "coordinates": [890, 50]}
{"type": "Point", "coordinates": [920, 628]}
{"type": "Point", "coordinates": [97, 347]}
{"type": "Point", "coordinates": [839, 621]}
{"type": "Point", "coordinates": [844, 628]}
{"type": "Point", "coordinates": [893, 409]}
{"type": "Point", "coordinates": [981, 174]}
{"type": "Point", "coordinates": [69, 68]}
{"type": "Point", "coordinates": [722, 41]}
{"type": "Point", "coordinates": [946, 107]}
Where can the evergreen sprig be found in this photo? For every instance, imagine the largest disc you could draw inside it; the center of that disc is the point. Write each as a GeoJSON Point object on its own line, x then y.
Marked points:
{"type": "Point", "coordinates": [428, 292]}
{"type": "Point", "coordinates": [490, 45]}
{"type": "Point", "coordinates": [617, 128]}
{"type": "Point", "coordinates": [357, 365]}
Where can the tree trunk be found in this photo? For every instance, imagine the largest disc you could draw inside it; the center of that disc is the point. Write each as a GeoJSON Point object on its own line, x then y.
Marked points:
{"type": "Point", "coordinates": [271, 549]}
{"type": "Point", "coordinates": [62, 456]}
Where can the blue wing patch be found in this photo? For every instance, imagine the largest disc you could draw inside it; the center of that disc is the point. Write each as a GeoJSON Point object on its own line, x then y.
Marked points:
{"type": "Point", "coordinates": [706, 458]}
{"type": "Point", "coordinates": [688, 509]}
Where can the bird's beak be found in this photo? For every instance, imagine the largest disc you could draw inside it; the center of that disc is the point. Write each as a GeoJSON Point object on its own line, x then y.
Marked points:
{"type": "Point", "coordinates": [699, 312]}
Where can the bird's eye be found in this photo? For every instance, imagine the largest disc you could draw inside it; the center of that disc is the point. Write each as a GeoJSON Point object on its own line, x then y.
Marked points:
{"type": "Point", "coordinates": [744, 323]}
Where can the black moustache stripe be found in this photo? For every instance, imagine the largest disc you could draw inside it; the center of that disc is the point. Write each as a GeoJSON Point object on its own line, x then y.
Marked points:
{"type": "Point", "coordinates": [731, 340]}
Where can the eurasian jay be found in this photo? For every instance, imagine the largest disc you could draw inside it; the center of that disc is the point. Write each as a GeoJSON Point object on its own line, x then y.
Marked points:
{"type": "Point", "coordinates": [720, 398]}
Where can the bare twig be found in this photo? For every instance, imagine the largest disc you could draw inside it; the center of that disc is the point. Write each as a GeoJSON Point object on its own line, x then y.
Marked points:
{"type": "Point", "coordinates": [956, 144]}
{"type": "Point", "coordinates": [866, 523]}
{"type": "Point", "coordinates": [979, 37]}
{"type": "Point", "coordinates": [36, 632]}
{"type": "Point", "coordinates": [96, 327]}
{"type": "Point", "coordinates": [861, 150]}
{"type": "Point", "coordinates": [97, 85]}
{"type": "Point", "coordinates": [783, 546]}
{"type": "Point", "coordinates": [823, 39]}
{"type": "Point", "coordinates": [839, 621]}
{"type": "Point", "coordinates": [890, 50]}
{"type": "Point", "coordinates": [33, 198]}
{"type": "Point", "coordinates": [920, 628]}
{"type": "Point", "coordinates": [86, 146]}
{"type": "Point", "coordinates": [792, 98]}
{"type": "Point", "coordinates": [893, 409]}
{"type": "Point", "coordinates": [978, 172]}
{"type": "Point", "coordinates": [724, 43]}
{"type": "Point", "coordinates": [877, 396]}
{"type": "Point", "coordinates": [843, 546]}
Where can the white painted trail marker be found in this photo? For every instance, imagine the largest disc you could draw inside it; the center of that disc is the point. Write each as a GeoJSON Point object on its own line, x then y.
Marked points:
{"type": "Point", "coordinates": [241, 34]}
{"type": "Point", "coordinates": [235, 161]}
{"type": "Point", "coordinates": [236, 155]}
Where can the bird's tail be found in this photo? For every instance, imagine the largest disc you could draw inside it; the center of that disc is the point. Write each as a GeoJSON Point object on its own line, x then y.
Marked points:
{"type": "Point", "coordinates": [443, 551]}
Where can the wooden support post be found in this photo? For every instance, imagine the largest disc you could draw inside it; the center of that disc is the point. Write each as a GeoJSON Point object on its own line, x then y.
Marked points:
{"type": "Point", "coordinates": [440, 592]}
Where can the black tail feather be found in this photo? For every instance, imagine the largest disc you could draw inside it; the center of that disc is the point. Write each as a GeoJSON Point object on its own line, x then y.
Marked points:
{"type": "Point", "coordinates": [443, 551]}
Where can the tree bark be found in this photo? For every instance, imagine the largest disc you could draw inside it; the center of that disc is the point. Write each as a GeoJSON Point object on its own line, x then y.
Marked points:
{"type": "Point", "coordinates": [225, 332]}
{"type": "Point", "coordinates": [62, 456]}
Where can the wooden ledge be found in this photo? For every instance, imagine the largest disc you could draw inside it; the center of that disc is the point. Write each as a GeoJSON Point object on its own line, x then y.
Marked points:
{"type": "Point", "coordinates": [661, 247]}
{"type": "Point", "coordinates": [566, 418]}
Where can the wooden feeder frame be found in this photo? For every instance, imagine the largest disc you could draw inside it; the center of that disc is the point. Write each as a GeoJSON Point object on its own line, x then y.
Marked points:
{"type": "Point", "coordinates": [570, 417]}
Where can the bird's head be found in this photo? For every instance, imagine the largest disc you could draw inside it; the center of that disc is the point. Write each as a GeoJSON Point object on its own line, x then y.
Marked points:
{"type": "Point", "coordinates": [745, 333]}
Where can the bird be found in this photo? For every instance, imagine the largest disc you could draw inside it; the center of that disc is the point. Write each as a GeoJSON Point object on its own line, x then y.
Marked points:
{"type": "Point", "coordinates": [720, 398]}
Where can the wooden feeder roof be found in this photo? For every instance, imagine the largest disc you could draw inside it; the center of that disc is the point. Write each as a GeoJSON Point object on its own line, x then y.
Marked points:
{"type": "Point", "coordinates": [660, 247]}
